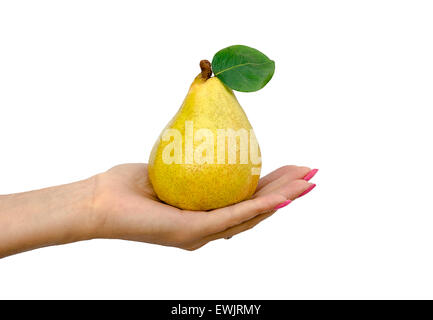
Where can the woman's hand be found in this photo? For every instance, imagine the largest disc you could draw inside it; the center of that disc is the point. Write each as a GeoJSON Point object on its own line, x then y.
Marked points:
{"type": "Point", "coordinates": [126, 207]}
{"type": "Point", "coordinates": [121, 204]}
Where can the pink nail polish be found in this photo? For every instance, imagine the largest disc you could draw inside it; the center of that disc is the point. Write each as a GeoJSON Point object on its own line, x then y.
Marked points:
{"type": "Point", "coordinates": [310, 174]}
{"type": "Point", "coordinates": [282, 204]}
{"type": "Point", "coordinates": [308, 190]}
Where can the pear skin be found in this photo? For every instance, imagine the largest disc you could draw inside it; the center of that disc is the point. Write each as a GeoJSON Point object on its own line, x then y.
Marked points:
{"type": "Point", "coordinates": [193, 166]}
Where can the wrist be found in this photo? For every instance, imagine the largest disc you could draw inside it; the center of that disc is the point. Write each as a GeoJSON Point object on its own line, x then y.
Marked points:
{"type": "Point", "coordinates": [83, 220]}
{"type": "Point", "coordinates": [87, 217]}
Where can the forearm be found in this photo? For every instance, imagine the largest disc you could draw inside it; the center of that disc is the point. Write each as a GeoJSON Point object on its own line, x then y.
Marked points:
{"type": "Point", "coordinates": [45, 217]}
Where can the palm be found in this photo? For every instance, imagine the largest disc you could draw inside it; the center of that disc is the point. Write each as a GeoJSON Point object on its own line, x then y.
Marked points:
{"type": "Point", "coordinates": [132, 210]}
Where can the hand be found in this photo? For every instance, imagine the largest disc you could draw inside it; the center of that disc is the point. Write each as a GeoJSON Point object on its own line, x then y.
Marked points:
{"type": "Point", "coordinates": [126, 207]}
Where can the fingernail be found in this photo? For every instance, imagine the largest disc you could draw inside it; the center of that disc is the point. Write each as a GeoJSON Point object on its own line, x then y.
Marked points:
{"type": "Point", "coordinates": [310, 174]}
{"type": "Point", "coordinates": [282, 204]}
{"type": "Point", "coordinates": [308, 190]}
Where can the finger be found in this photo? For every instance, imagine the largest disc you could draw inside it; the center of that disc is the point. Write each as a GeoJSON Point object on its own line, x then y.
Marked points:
{"type": "Point", "coordinates": [233, 230]}
{"type": "Point", "coordinates": [247, 225]}
{"type": "Point", "coordinates": [230, 232]}
{"type": "Point", "coordinates": [222, 219]}
{"type": "Point", "coordinates": [301, 189]}
{"type": "Point", "coordinates": [296, 174]}
{"type": "Point", "coordinates": [291, 172]}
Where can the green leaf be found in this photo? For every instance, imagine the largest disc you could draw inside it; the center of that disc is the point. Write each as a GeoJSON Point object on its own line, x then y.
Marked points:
{"type": "Point", "coordinates": [243, 68]}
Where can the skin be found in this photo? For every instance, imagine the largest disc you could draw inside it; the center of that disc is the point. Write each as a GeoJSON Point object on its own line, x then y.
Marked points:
{"type": "Point", "coordinates": [121, 204]}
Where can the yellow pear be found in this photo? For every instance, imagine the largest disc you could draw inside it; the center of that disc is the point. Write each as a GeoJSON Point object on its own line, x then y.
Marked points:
{"type": "Point", "coordinates": [207, 156]}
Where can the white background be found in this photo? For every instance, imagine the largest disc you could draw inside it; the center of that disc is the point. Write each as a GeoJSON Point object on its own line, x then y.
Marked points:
{"type": "Point", "coordinates": [86, 85]}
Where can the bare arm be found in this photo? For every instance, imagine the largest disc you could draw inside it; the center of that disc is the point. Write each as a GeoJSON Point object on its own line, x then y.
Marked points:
{"type": "Point", "coordinates": [45, 217]}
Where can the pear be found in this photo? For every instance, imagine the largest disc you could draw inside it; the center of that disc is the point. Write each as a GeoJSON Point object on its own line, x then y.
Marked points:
{"type": "Point", "coordinates": [207, 156]}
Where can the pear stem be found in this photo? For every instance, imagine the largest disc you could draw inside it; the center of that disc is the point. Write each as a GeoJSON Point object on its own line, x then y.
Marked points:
{"type": "Point", "coordinates": [206, 69]}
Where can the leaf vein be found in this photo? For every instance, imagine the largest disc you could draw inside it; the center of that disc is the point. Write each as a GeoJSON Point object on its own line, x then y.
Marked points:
{"type": "Point", "coordinates": [241, 65]}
